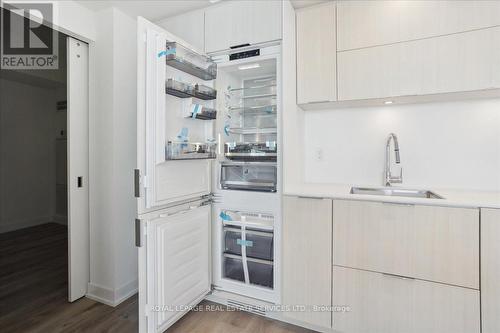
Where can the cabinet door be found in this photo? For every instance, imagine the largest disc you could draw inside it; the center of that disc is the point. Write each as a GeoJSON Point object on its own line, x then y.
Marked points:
{"type": "Point", "coordinates": [189, 26]}
{"type": "Point", "coordinates": [242, 22]}
{"type": "Point", "coordinates": [454, 63]}
{"type": "Point", "coordinates": [307, 258]}
{"type": "Point", "coordinates": [490, 270]}
{"type": "Point", "coordinates": [372, 23]}
{"type": "Point", "coordinates": [316, 54]}
{"type": "Point", "coordinates": [427, 242]}
{"type": "Point", "coordinates": [173, 265]}
{"type": "Point", "coordinates": [381, 303]}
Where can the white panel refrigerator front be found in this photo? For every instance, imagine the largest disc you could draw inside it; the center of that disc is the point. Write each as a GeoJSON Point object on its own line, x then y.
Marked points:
{"type": "Point", "coordinates": [174, 264]}
{"type": "Point", "coordinates": [162, 182]}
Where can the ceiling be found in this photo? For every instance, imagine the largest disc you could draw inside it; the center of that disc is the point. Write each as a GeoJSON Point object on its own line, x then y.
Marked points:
{"type": "Point", "coordinates": [150, 9]}
{"type": "Point", "coordinates": [305, 3]}
{"type": "Point", "coordinates": [155, 10]}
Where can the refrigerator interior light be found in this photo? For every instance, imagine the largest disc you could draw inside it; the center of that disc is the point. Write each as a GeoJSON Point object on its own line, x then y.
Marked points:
{"type": "Point", "coordinates": [249, 66]}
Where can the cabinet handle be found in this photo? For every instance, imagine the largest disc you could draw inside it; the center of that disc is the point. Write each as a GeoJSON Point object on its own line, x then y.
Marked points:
{"type": "Point", "coordinates": [238, 46]}
{"type": "Point", "coordinates": [397, 204]}
{"type": "Point", "coordinates": [138, 233]}
{"type": "Point", "coordinates": [398, 276]}
{"type": "Point", "coordinates": [315, 198]}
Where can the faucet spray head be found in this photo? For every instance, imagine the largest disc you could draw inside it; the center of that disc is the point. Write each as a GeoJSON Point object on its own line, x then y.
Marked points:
{"type": "Point", "coordinates": [396, 148]}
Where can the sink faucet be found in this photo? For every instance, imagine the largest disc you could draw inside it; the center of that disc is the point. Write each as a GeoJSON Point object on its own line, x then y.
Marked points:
{"type": "Point", "coordinates": [389, 179]}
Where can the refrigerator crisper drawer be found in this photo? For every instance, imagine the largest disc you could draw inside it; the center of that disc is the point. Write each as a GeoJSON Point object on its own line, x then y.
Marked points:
{"type": "Point", "coordinates": [260, 273]}
{"type": "Point", "coordinates": [248, 176]}
{"type": "Point", "coordinates": [258, 244]}
{"type": "Point", "coordinates": [233, 269]}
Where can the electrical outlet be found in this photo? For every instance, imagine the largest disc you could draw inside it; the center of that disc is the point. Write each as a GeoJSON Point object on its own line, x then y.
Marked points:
{"type": "Point", "coordinates": [318, 154]}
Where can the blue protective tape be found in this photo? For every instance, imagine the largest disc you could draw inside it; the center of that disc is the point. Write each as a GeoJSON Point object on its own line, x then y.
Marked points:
{"type": "Point", "coordinates": [225, 217]}
{"type": "Point", "coordinates": [226, 130]}
{"type": "Point", "coordinates": [197, 109]}
{"type": "Point", "coordinates": [166, 52]}
{"type": "Point", "coordinates": [246, 243]}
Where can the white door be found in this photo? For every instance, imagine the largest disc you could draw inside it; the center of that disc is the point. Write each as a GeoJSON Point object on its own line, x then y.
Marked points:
{"type": "Point", "coordinates": [78, 168]}
{"type": "Point", "coordinates": [174, 264]}
{"type": "Point", "coordinates": [162, 182]}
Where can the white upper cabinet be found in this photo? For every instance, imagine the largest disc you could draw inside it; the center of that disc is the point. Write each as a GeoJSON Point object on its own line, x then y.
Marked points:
{"type": "Point", "coordinates": [370, 23]}
{"type": "Point", "coordinates": [238, 23]}
{"type": "Point", "coordinates": [189, 26]}
{"type": "Point", "coordinates": [468, 61]}
{"type": "Point", "coordinates": [316, 54]}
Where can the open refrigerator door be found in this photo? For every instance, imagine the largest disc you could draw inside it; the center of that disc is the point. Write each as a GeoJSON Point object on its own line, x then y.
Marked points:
{"type": "Point", "coordinates": [176, 147]}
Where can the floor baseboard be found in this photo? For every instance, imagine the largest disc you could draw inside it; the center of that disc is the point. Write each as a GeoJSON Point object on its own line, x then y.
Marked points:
{"type": "Point", "coordinates": [109, 296]}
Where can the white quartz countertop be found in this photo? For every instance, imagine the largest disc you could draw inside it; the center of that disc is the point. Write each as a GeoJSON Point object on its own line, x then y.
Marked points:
{"type": "Point", "coordinates": [451, 198]}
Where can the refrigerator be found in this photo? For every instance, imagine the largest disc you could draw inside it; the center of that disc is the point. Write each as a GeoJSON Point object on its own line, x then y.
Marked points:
{"type": "Point", "coordinates": [208, 177]}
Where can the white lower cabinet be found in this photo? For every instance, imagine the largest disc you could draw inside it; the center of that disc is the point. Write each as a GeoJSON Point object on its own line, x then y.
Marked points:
{"type": "Point", "coordinates": [307, 257]}
{"type": "Point", "coordinates": [439, 244]}
{"type": "Point", "coordinates": [381, 303]}
{"type": "Point", "coordinates": [490, 270]}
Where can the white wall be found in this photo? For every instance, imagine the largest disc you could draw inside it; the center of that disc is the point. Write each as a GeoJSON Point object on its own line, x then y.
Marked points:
{"type": "Point", "coordinates": [27, 155]}
{"type": "Point", "coordinates": [113, 256]}
{"type": "Point", "coordinates": [443, 145]}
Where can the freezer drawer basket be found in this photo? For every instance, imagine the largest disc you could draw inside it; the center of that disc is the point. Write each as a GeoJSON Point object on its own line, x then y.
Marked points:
{"type": "Point", "coordinates": [248, 248]}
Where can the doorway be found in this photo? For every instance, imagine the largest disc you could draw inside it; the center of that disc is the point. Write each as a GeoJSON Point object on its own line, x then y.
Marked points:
{"type": "Point", "coordinates": [44, 206]}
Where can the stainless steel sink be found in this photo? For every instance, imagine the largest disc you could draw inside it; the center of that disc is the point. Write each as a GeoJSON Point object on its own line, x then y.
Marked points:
{"type": "Point", "coordinates": [395, 192]}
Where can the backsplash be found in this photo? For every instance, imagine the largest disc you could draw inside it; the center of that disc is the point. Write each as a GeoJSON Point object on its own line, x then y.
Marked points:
{"type": "Point", "coordinates": [452, 145]}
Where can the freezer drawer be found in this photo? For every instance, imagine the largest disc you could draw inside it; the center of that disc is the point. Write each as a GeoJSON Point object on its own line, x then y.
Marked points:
{"type": "Point", "coordinates": [258, 244]}
{"type": "Point", "coordinates": [232, 241]}
{"type": "Point", "coordinates": [233, 268]}
{"type": "Point", "coordinates": [260, 273]}
{"type": "Point", "coordinates": [249, 176]}
{"type": "Point", "coordinates": [261, 245]}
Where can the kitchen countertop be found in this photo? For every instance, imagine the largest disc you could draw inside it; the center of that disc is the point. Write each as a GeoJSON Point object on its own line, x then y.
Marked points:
{"type": "Point", "coordinates": [451, 198]}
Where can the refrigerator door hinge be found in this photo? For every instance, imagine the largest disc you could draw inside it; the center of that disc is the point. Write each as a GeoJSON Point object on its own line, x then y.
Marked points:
{"type": "Point", "coordinates": [139, 233]}
{"type": "Point", "coordinates": [208, 199]}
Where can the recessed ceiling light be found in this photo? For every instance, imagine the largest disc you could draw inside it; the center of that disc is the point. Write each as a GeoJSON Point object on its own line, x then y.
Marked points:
{"type": "Point", "coordinates": [213, 1]}
{"type": "Point", "coordinates": [388, 102]}
{"type": "Point", "coordinates": [250, 66]}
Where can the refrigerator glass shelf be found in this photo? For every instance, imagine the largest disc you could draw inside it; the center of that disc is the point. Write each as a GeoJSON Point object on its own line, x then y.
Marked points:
{"type": "Point", "coordinates": [253, 130]}
{"type": "Point", "coordinates": [258, 111]}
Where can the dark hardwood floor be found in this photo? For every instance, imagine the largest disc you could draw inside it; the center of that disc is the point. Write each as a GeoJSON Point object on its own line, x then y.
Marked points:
{"type": "Point", "coordinates": [34, 291]}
